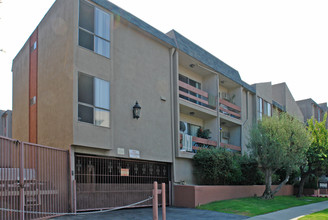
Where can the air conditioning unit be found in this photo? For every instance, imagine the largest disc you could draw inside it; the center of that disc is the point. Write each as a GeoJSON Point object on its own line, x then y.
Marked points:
{"type": "Point", "coordinates": [183, 127]}
{"type": "Point", "coordinates": [225, 135]}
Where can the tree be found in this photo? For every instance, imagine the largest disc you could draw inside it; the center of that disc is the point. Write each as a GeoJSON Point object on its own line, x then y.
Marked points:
{"type": "Point", "coordinates": [278, 142]}
{"type": "Point", "coordinates": [316, 156]}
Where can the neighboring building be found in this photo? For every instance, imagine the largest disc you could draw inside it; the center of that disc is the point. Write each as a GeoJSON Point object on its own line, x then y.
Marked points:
{"type": "Point", "coordinates": [5, 122]}
{"type": "Point", "coordinates": [311, 109]}
{"type": "Point", "coordinates": [275, 97]}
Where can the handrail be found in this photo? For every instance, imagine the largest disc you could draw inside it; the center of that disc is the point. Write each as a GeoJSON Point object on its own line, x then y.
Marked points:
{"type": "Point", "coordinates": [229, 104]}
{"type": "Point", "coordinates": [193, 97]}
{"type": "Point", "coordinates": [230, 146]}
{"type": "Point", "coordinates": [201, 141]}
{"type": "Point", "coordinates": [230, 112]}
{"type": "Point", "coordinates": [193, 89]}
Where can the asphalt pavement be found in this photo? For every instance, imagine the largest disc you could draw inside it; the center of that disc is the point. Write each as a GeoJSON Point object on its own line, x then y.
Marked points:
{"type": "Point", "coordinates": [147, 214]}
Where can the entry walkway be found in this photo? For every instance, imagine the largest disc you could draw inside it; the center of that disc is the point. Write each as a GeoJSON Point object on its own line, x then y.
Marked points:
{"type": "Point", "coordinates": [293, 213]}
{"type": "Point", "coordinates": [147, 214]}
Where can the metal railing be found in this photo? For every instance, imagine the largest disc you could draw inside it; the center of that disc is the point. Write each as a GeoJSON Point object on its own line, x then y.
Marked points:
{"type": "Point", "coordinates": [199, 143]}
{"type": "Point", "coordinates": [33, 180]}
{"type": "Point", "coordinates": [230, 109]}
{"type": "Point", "coordinates": [196, 96]}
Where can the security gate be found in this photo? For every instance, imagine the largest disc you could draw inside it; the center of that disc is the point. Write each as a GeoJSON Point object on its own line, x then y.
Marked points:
{"type": "Point", "coordinates": [105, 182]}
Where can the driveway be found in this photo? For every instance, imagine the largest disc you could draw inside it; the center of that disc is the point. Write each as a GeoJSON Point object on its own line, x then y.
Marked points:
{"type": "Point", "coordinates": [147, 213]}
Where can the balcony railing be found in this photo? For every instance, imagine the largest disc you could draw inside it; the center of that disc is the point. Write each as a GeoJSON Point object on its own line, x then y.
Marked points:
{"type": "Point", "coordinates": [230, 109]}
{"type": "Point", "coordinates": [199, 143]}
{"type": "Point", "coordinates": [230, 146]}
{"type": "Point", "coordinates": [196, 96]}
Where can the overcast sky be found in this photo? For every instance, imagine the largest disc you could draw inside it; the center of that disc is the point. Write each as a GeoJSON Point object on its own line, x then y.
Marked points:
{"type": "Point", "coordinates": [265, 40]}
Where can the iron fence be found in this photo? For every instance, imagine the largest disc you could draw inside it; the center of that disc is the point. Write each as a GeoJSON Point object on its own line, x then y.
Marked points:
{"type": "Point", "coordinates": [33, 179]}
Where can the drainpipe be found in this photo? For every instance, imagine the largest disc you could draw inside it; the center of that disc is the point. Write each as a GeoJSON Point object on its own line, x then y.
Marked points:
{"type": "Point", "coordinates": [247, 113]}
{"type": "Point", "coordinates": [174, 117]}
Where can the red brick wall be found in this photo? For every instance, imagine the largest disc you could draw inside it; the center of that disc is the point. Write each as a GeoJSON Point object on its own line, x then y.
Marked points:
{"type": "Point", "coordinates": [192, 196]}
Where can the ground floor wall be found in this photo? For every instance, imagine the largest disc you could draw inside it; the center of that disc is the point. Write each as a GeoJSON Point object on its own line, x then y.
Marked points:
{"type": "Point", "coordinates": [192, 196]}
{"type": "Point", "coordinates": [184, 171]}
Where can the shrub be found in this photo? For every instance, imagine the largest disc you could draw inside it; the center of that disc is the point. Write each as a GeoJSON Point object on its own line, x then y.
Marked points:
{"type": "Point", "coordinates": [221, 167]}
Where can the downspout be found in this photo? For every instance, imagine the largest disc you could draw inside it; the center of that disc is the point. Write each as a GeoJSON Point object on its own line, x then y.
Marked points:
{"type": "Point", "coordinates": [174, 109]}
{"type": "Point", "coordinates": [247, 113]}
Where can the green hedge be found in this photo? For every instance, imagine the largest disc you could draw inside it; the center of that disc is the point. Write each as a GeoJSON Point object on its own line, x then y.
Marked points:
{"type": "Point", "coordinates": [221, 167]}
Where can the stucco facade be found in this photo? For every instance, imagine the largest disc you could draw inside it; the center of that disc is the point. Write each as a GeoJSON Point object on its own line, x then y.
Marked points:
{"type": "Point", "coordinates": [180, 87]}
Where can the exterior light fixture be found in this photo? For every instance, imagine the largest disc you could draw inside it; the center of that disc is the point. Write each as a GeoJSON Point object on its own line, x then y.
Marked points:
{"type": "Point", "coordinates": [192, 65]}
{"type": "Point", "coordinates": [136, 110]}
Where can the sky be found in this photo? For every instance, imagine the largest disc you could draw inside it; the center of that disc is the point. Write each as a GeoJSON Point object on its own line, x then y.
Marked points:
{"type": "Point", "coordinates": [265, 40]}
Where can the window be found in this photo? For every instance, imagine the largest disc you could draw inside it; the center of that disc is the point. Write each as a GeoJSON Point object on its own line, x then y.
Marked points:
{"type": "Point", "coordinates": [263, 107]}
{"type": "Point", "coordinates": [93, 98]}
{"type": "Point", "coordinates": [259, 108]}
{"type": "Point", "coordinates": [94, 29]}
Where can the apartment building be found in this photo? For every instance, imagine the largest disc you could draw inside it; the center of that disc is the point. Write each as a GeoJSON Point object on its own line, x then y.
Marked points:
{"type": "Point", "coordinates": [275, 97]}
{"type": "Point", "coordinates": [5, 123]}
{"type": "Point", "coordinates": [75, 83]}
{"type": "Point", "coordinates": [131, 103]}
{"type": "Point", "coordinates": [311, 109]}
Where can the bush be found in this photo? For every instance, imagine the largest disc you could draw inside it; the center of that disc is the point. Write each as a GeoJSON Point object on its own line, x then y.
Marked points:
{"type": "Point", "coordinates": [221, 167]}
{"type": "Point", "coordinates": [216, 167]}
{"type": "Point", "coordinates": [251, 174]}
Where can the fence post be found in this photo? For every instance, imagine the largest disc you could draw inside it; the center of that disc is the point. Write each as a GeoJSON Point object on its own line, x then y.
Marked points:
{"type": "Point", "coordinates": [21, 181]}
{"type": "Point", "coordinates": [163, 202]}
{"type": "Point", "coordinates": [74, 197]}
{"type": "Point", "coordinates": [155, 202]}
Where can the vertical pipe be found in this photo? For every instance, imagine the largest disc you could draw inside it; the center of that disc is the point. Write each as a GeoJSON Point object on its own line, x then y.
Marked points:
{"type": "Point", "coordinates": [163, 202]}
{"type": "Point", "coordinates": [21, 180]}
{"type": "Point", "coordinates": [155, 202]}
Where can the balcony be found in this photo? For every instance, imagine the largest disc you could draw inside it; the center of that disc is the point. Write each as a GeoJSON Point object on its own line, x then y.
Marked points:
{"type": "Point", "coordinates": [230, 109]}
{"type": "Point", "coordinates": [199, 143]}
{"type": "Point", "coordinates": [230, 146]}
{"type": "Point", "coordinates": [197, 96]}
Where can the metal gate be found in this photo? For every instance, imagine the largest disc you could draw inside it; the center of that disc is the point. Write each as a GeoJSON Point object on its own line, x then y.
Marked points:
{"type": "Point", "coordinates": [34, 180]}
{"type": "Point", "coordinates": [105, 182]}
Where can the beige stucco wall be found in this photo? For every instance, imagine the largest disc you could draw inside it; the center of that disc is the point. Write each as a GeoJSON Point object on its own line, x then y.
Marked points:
{"type": "Point", "coordinates": [55, 76]}
{"type": "Point", "coordinates": [190, 74]}
{"type": "Point", "coordinates": [249, 116]}
{"type": "Point", "coordinates": [20, 116]}
{"type": "Point", "coordinates": [138, 70]}
{"type": "Point", "coordinates": [282, 94]}
{"type": "Point", "coordinates": [184, 171]}
{"type": "Point", "coordinates": [264, 90]}
{"type": "Point", "coordinates": [191, 120]}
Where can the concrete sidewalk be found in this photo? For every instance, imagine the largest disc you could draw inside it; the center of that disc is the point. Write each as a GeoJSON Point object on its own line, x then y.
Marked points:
{"type": "Point", "coordinates": [293, 213]}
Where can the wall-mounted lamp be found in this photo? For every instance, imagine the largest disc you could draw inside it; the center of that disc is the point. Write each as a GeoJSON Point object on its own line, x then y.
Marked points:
{"type": "Point", "coordinates": [192, 65]}
{"type": "Point", "coordinates": [136, 110]}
